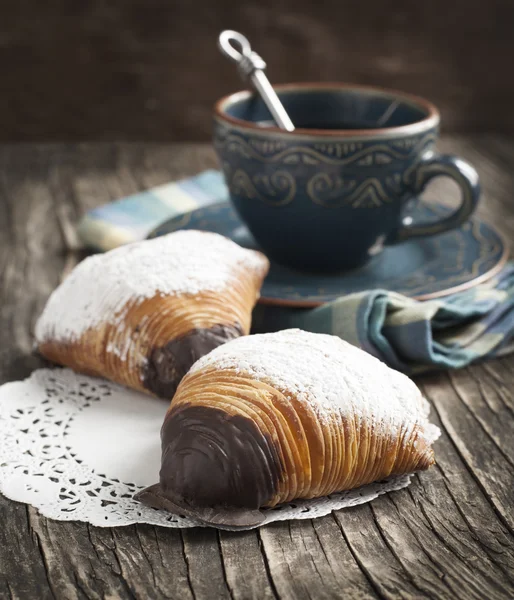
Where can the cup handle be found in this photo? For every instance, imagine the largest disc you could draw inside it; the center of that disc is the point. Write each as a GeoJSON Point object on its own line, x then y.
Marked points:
{"type": "Point", "coordinates": [434, 165]}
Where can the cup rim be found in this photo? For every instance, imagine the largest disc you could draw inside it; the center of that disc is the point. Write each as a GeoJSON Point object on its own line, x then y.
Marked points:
{"type": "Point", "coordinates": [431, 119]}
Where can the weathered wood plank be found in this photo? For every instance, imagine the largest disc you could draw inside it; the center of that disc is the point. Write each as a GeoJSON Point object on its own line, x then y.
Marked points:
{"type": "Point", "coordinates": [452, 525]}
{"type": "Point", "coordinates": [469, 519]}
{"type": "Point", "coordinates": [476, 390]}
{"type": "Point", "coordinates": [477, 451]}
{"type": "Point", "coordinates": [375, 557]}
{"type": "Point", "coordinates": [245, 567]}
{"type": "Point", "coordinates": [317, 550]}
{"type": "Point", "coordinates": [22, 569]}
{"type": "Point", "coordinates": [206, 570]}
{"type": "Point", "coordinates": [450, 535]}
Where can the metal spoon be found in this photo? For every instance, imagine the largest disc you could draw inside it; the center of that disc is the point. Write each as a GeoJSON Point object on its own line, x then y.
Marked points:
{"type": "Point", "coordinates": [250, 65]}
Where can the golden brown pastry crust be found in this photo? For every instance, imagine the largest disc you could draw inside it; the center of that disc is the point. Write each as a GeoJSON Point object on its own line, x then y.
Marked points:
{"type": "Point", "coordinates": [315, 459]}
{"type": "Point", "coordinates": [233, 437]}
{"type": "Point", "coordinates": [150, 343]}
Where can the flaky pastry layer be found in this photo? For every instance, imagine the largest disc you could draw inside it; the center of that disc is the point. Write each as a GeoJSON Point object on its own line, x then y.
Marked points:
{"type": "Point", "coordinates": [150, 344]}
{"type": "Point", "coordinates": [291, 451]}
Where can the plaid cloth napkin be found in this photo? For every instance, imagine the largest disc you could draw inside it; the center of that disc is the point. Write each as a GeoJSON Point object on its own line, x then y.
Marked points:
{"type": "Point", "coordinates": [134, 217]}
{"type": "Point", "coordinates": [408, 335]}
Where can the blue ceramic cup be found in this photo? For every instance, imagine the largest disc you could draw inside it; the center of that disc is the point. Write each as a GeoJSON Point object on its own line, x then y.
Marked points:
{"type": "Point", "coordinates": [328, 195]}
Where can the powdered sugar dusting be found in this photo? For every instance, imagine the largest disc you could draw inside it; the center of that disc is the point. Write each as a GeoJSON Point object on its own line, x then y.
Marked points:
{"type": "Point", "coordinates": [184, 262]}
{"type": "Point", "coordinates": [328, 373]}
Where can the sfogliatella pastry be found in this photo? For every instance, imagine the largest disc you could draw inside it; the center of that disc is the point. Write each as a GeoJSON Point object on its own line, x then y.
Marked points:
{"type": "Point", "coordinates": [142, 314]}
{"type": "Point", "coordinates": [269, 418]}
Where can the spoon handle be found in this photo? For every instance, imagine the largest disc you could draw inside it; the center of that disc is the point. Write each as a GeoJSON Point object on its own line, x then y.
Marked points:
{"type": "Point", "coordinates": [250, 65]}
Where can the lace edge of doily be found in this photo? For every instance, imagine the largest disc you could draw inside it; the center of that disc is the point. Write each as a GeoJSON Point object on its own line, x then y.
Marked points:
{"type": "Point", "coordinates": [313, 509]}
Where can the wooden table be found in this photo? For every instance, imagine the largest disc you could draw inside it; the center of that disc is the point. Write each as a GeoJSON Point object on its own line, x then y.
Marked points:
{"type": "Point", "coordinates": [449, 535]}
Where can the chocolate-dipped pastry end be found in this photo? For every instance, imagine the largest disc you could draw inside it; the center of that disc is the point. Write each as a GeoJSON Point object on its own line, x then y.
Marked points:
{"type": "Point", "coordinates": [217, 468]}
{"type": "Point", "coordinates": [168, 364]}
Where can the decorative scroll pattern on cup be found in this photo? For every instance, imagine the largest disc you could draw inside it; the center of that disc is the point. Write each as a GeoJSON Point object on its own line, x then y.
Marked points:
{"type": "Point", "coordinates": [276, 189]}
{"type": "Point", "coordinates": [359, 174]}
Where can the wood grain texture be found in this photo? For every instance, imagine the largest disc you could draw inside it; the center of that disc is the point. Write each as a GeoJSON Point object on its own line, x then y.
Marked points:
{"type": "Point", "coordinates": [449, 535]}
{"type": "Point", "coordinates": [134, 69]}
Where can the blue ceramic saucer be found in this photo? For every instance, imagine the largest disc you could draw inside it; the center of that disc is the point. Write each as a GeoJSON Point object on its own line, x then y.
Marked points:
{"type": "Point", "coordinates": [422, 268]}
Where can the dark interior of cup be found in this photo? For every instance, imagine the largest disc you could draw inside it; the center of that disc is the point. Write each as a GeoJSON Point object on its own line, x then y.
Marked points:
{"type": "Point", "coordinates": [335, 108]}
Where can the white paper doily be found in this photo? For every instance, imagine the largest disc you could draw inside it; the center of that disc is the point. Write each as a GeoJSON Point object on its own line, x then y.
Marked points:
{"type": "Point", "coordinates": [78, 449]}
